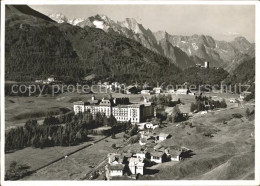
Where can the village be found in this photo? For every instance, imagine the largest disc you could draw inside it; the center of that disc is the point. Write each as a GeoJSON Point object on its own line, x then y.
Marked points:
{"type": "Point", "coordinates": [150, 149]}
{"type": "Point", "coordinates": [172, 125]}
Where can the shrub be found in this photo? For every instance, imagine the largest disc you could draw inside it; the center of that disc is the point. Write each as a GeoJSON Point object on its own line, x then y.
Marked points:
{"type": "Point", "coordinates": [249, 97]}
{"type": "Point", "coordinates": [134, 139]}
{"type": "Point", "coordinates": [237, 115]}
{"type": "Point", "coordinates": [247, 112]}
{"type": "Point", "coordinates": [113, 146]}
{"type": "Point", "coordinates": [17, 171]}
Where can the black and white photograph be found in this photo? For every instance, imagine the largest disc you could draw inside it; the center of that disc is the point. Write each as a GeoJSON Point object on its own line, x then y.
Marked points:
{"type": "Point", "coordinates": [136, 92]}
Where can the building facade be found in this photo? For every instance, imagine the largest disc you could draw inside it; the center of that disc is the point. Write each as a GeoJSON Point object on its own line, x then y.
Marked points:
{"type": "Point", "coordinates": [136, 166]}
{"type": "Point", "coordinates": [135, 113]}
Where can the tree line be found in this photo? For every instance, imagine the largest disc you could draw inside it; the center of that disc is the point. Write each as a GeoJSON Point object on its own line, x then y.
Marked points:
{"type": "Point", "coordinates": [63, 130]}
{"type": "Point", "coordinates": [203, 103]}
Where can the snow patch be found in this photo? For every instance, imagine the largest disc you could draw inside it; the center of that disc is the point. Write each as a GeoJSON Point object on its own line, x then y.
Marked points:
{"type": "Point", "coordinates": [195, 46]}
{"type": "Point", "coordinates": [189, 51]}
{"type": "Point", "coordinates": [75, 21]}
{"type": "Point", "coordinates": [99, 24]}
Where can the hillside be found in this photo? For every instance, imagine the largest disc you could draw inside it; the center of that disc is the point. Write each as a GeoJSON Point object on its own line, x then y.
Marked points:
{"type": "Point", "coordinates": [218, 53]}
{"type": "Point", "coordinates": [37, 48]}
{"type": "Point", "coordinates": [244, 73]}
{"type": "Point", "coordinates": [18, 9]}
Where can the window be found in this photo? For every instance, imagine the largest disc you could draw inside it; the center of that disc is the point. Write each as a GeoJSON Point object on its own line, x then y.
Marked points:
{"type": "Point", "coordinates": [156, 158]}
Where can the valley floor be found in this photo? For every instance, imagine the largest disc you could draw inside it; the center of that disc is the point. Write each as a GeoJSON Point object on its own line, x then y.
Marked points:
{"type": "Point", "coordinates": [228, 155]}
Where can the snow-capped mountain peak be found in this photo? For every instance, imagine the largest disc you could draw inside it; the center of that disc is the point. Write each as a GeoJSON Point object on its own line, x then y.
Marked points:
{"type": "Point", "coordinates": [59, 17]}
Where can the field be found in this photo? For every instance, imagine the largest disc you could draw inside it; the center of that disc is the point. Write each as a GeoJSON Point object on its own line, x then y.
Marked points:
{"type": "Point", "coordinates": [76, 166]}
{"type": "Point", "coordinates": [19, 109]}
{"type": "Point", "coordinates": [36, 157]}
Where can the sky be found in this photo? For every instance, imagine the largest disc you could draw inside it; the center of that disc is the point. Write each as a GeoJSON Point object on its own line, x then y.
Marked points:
{"type": "Point", "coordinates": [222, 22]}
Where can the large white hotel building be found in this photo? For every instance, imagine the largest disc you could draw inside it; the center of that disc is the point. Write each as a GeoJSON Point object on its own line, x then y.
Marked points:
{"type": "Point", "coordinates": [136, 113]}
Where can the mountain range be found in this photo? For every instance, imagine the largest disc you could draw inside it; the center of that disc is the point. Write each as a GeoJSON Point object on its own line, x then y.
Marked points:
{"type": "Point", "coordinates": [184, 51]}
{"type": "Point", "coordinates": [37, 46]}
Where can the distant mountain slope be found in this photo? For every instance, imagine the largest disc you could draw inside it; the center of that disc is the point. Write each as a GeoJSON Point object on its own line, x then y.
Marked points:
{"type": "Point", "coordinates": [131, 29]}
{"type": "Point", "coordinates": [243, 74]}
{"type": "Point", "coordinates": [26, 10]}
{"type": "Point", "coordinates": [218, 53]}
{"type": "Point", "coordinates": [37, 48]}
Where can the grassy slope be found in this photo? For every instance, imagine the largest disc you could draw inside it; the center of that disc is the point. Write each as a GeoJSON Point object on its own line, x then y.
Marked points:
{"type": "Point", "coordinates": [77, 165]}
{"type": "Point", "coordinates": [228, 155]}
{"type": "Point", "coordinates": [214, 158]}
{"type": "Point", "coordinates": [36, 157]}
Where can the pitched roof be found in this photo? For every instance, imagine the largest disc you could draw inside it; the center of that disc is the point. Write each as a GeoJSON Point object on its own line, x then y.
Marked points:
{"type": "Point", "coordinates": [182, 90]}
{"type": "Point", "coordinates": [135, 160]}
{"type": "Point", "coordinates": [163, 135]}
{"type": "Point", "coordinates": [157, 154]}
{"type": "Point", "coordinates": [175, 152]}
{"type": "Point", "coordinates": [93, 102]}
{"type": "Point", "coordinates": [128, 155]}
{"type": "Point", "coordinates": [158, 146]}
{"type": "Point", "coordinates": [79, 103]}
{"type": "Point", "coordinates": [174, 147]}
{"type": "Point", "coordinates": [143, 140]}
{"type": "Point", "coordinates": [105, 102]}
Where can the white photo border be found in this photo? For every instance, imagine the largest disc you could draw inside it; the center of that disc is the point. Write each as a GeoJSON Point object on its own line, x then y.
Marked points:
{"type": "Point", "coordinates": [120, 183]}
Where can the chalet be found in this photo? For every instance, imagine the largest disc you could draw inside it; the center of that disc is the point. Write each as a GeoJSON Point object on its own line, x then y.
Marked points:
{"type": "Point", "coordinates": [140, 154]}
{"type": "Point", "coordinates": [151, 125]}
{"type": "Point", "coordinates": [51, 79]}
{"type": "Point", "coordinates": [93, 101]}
{"type": "Point", "coordinates": [174, 153]}
{"type": "Point", "coordinates": [115, 158]}
{"type": "Point", "coordinates": [136, 166]}
{"type": "Point", "coordinates": [171, 91]}
{"type": "Point", "coordinates": [158, 111]}
{"type": "Point", "coordinates": [158, 157]}
{"type": "Point", "coordinates": [145, 92]}
{"type": "Point", "coordinates": [203, 112]}
{"type": "Point", "coordinates": [232, 100]}
{"type": "Point", "coordinates": [157, 90]}
{"type": "Point", "coordinates": [206, 64]}
{"type": "Point", "coordinates": [131, 90]}
{"type": "Point", "coordinates": [127, 156]}
{"type": "Point", "coordinates": [244, 94]}
{"type": "Point", "coordinates": [144, 134]}
{"type": "Point", "coordinates": [183, 91]}
{"type": "Point", "coordinates": [116, 169]}
{"type": "Point", "coordinates": [143, 141]}
{"type": "Point", "coordinates": [158, 147]}
{"type": "Point", "coordinates": [107, 85]}
{"type": "Point", "coordinates": [45, 82]}
{"type": "Point", "coordinates": [79, 106]}
{"type": "Point", "coordinates": [163, 136]}
{"type": "Point", "coordinates": [38, 81]}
